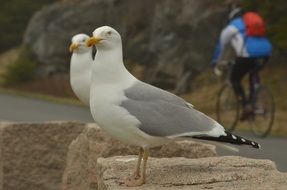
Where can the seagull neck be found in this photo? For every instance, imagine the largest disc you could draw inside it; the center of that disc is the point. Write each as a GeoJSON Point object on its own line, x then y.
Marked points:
{"type": "Point", "coordinates": [81, 61]}
{"type": "Point", "coordinates": [108, 66]}
{"type": "Point", "coordinates": [110, 55]}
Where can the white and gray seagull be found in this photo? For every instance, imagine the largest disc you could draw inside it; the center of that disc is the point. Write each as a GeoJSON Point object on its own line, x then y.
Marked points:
{"type": "Point", "coordinates": [139, 114]}
{"type": "Point", "coordinates": [81, 67]}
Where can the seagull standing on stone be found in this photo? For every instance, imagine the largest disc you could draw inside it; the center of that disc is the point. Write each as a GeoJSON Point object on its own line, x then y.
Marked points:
{"type": "Point", "coordinates": [81, 67]}
{"type": "Point", "coordinates": [139, 114]}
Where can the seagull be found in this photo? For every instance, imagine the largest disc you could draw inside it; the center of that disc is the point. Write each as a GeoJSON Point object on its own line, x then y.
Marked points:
{"type": "Point", "coordinates": [80, 68]}
{"type": "Point", "coordinates": [140, 114]}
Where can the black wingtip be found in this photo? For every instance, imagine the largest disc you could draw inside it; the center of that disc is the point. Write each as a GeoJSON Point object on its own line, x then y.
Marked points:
{"type": "Point", "coordinates": [230, 138]}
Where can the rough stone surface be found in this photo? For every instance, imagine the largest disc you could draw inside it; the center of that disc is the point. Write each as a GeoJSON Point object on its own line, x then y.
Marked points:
{"type": "Point", "coordinates": [80, 172]}
{"type": "Point", "coordinates": [221, 173]}
{"type": "Point", "coordinates": [32, 156]}
{"type": "Point", "coordinates": [63, 155]}
{"type": "Point", "coordinates": [174, 33]}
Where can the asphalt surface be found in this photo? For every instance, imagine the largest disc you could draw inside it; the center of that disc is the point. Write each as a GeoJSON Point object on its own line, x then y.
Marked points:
{"type": "Point", "coordinates": [22, 109]}
{"type": "Point", "coordinates": [16, 108]}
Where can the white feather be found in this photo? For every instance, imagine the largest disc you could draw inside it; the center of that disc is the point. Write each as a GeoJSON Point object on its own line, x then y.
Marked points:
{"type": "Point", "coordinates": [80, 69]}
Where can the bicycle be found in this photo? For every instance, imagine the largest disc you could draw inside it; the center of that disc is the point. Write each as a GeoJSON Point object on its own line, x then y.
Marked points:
{"type": "Point", "coordinates": [228, 106]}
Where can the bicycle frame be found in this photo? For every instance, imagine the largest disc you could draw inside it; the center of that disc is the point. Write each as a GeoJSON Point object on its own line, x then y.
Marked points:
{"type": "Point", "coordinates": [254, 84]}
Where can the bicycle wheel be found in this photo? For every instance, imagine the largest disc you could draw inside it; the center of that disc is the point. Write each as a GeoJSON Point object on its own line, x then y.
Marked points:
{"type": "Point", "coordinates": [227, 108]}
{"type": "Point", "coordinates": [264, 109]}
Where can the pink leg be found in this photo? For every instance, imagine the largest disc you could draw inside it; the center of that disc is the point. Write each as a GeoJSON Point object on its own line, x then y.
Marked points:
{"type": "Point", "coordinates": [142, 178]}
{"type": "Point", "coordinates": [136, 173]}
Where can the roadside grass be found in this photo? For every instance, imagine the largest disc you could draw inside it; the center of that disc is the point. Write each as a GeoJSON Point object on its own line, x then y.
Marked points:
{"type": "Point", "coordinates": [57, 85]}
{"type": "Point", "coordinates": [16, 68]}
{"type": "Point", "coordinates": [6, 59]}
{"type": "Point", "coordinates": [21, 69]}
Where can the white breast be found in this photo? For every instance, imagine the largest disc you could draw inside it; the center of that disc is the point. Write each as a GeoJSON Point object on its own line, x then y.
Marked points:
{"type": "Point", "coordinates": [80, 76]}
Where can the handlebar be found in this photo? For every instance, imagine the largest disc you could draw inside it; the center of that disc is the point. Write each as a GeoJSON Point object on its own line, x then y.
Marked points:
{"type": "Point", "coordinates": [223, 68]}
{"type": "Point", "coordinates": [226, 63]}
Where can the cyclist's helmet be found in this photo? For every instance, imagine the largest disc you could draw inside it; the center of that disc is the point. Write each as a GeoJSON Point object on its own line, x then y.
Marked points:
{"type": "Point", "coordinates": [235, 12]}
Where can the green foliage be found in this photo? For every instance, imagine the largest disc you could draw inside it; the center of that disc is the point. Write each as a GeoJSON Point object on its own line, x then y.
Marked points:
{"type": "Point", "coordinates": [14, 17]}
{"type": "Point", "coordinates": [22, 70]}
{"type": "Point", "coordinates": [279, 33]}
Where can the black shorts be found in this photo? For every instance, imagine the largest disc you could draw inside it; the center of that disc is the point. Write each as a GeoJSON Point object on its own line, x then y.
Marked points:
{"type": "Point", "coordinates": [244, 65]}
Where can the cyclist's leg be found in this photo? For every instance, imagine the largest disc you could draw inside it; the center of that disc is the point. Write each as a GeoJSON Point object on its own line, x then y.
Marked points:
{"type": "Point", "coordinates": [240, 68]}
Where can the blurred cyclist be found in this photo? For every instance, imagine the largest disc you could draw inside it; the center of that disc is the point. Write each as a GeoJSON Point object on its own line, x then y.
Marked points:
{"type": "Point", "coordinates": [246, 34]}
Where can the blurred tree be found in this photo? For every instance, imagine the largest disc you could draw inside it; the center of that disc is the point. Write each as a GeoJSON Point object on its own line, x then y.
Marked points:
{"type": "Point", "coordinates": [14, 16]}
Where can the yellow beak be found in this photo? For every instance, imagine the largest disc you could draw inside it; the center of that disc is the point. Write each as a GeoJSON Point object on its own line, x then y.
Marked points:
{"type": "Point", "coordinates": [93, 41]}
{"type": "Point", "coordinates": [73, 47]}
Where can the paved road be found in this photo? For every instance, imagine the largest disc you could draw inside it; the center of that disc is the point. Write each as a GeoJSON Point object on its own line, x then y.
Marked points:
{"type": "Point", "coordinates": [13, 108]}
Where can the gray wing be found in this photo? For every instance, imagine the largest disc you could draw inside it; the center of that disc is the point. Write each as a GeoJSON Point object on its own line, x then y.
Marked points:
{"type": "Point", "coordinates": [144, 92]}
{"type": "Point", "coordinates": [162, 113]}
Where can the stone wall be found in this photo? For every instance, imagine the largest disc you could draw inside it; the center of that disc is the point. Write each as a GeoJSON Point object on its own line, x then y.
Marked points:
{"type": "Point", "coordinates": [216, 173]}
{"type": "Point", "coordinates": [77, 156]}
{"type": "Point", "coordinates": [49, 156]}
{"type": "Point", "coordinates": [33, 156]}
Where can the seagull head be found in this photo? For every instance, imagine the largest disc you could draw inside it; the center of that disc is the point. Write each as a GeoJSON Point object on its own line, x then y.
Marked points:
{"type": "Point", "coordinates": [105, 37]}
{"type": "Point", "coordinates": [78, 44]}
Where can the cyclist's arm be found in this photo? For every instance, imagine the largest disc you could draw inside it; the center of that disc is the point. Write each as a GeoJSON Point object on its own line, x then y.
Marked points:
{"type": "Point", "coordinates": [225, 38]}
